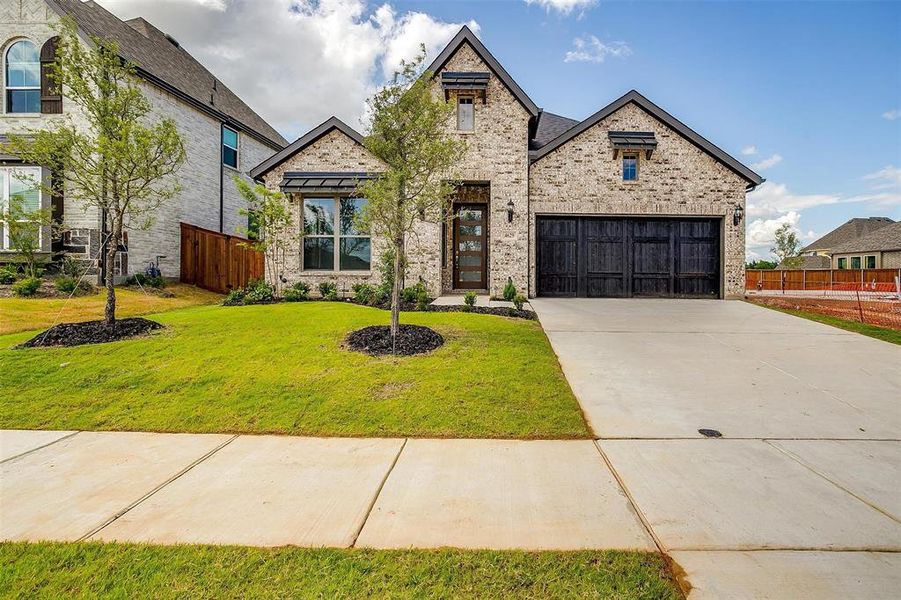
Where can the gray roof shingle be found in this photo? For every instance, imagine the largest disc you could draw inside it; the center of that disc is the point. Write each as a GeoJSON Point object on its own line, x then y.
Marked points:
{"type": "Point", "coordinates": [847, 232]}
{"type": "Point", "coordinates": [162, 62]}
{"type": "Point", "coordinates": [549, 126]}
{"type": "Point", "coordinates": [806, 262]}
{"type": "Point", "coordinates": [882, 239]}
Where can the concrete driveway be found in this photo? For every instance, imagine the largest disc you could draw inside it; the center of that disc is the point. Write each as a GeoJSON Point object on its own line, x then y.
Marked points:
{"type": "Point", "coordinates": [801, 497]}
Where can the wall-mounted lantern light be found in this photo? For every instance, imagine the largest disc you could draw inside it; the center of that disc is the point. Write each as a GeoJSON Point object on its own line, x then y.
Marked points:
{"type": "Point", "coordinates": [510, 211]}
{"type": "Point", "coordinates": [738, 214]}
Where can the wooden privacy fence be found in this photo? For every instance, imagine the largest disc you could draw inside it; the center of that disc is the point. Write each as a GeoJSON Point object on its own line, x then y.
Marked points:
{"type": "Point", "coordinates": [216, 261]}
{"type": "Point", "coordinates": [822, 279]}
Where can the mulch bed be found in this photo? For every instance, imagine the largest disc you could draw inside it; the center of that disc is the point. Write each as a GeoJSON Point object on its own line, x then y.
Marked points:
{"type": "Point", "coordinates": [479, 310]}
{"type": "Point", "coordinates": [411, 339]}
{"type": "Point", "coordinates": [91, 332]}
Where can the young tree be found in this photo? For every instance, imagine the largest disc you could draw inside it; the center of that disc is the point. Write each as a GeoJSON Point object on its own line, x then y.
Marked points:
{"type": "Point", "coordinates": [270, 227]}
{"type": "Point", "coordinates": [122, 162]}
{"type": "Point", "coordinates": [787, 246]}
{"type": "Point", "coordinates": [23, 229]}
{"type": "Point", "coordinates": [408, 131]}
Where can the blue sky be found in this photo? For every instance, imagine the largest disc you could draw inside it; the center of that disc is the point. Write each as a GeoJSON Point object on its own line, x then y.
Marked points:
{"type": "Point", "coordinates": [813, 88]}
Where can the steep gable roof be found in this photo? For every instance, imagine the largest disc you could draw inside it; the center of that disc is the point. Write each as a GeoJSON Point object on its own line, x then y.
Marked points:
{"type": "Point", "coordinates": [549, 127]}
{"type": "Point", "coordinates": [161, 61]}
{"type": "Point", "coordinates": [466, 36]}
{"type": "Point", "coordinates": [848, 231]}
{"type": "Point", "coordinates": [882, 239]}
{"type": "Point", "coordinates": [649, 107]}
{"type": "Point", "coordinates": [304, 141]}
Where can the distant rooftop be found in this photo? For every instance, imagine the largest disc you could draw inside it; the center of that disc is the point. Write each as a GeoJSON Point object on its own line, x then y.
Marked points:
{"type": "Point", "coordinates": [847, 232]}
{"type": "Point", "coordinates": [883, 239]}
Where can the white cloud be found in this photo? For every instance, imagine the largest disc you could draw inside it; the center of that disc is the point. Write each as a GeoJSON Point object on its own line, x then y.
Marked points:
{"type": "Point", "coordinates": [891, 115]}
{"type": "Point", "coordinates": [761, 234]}
{"type": "Point", "coordinates": [591, 49]}
{"type": "Point", "coordinates": [296, 62]}
{"type": "Point", "coordinates": [563, 6]}
{"type": "Point", "coordinates": [889, 177]}
{"type": "Point", "coordinates": [767, 163]}
{"type": "Point", "coordinates": [771, 200]}
{"type": "Point", "coordinates": [749, 150]}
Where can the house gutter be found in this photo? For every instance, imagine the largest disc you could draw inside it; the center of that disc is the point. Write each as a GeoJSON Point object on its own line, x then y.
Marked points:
{"type": "Point", "coordinates": [221, 181]}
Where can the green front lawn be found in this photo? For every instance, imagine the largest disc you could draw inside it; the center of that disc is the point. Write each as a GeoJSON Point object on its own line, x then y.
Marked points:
{"type": "Point", "coordinates": [281, 369]}
{"type": "Point", "coordinates": [57, 570]}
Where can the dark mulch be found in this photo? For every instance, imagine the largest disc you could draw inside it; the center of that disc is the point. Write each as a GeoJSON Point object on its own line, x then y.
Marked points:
{"type": "Point", "coordinates": [411, 339]}
{"type": "Point", "coordinates": [487, 310]}
{"type": "Point", "coordinates": [91, 332]}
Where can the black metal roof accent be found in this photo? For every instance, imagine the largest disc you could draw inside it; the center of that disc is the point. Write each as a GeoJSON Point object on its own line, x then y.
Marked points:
{"type": "Point", "coordinates": [465, 35]}
{"type": "Point", "coordinates": [633, 140]}
{"type": "Point", "coordinates": [304, 141]}
{"type": "Point", "coordinates": [465, 80]}
{"type": "Point", "coordinates": [316, 182]}
{"type": "Point", "coordinates": [655, 111]}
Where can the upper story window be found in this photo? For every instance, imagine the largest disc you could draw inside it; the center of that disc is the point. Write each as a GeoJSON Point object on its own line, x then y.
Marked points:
{"type": "Point", "coordinates": [630, 167]}
{"type": "Point", "coordinates": [869, 262]}
{"type": "Point", "coordinates": [332, 237]}
{"type": "Point", "coordinates": [23, 78]}
{"type": "Point", "coordinates": [465, 114]}
{"type": "Point", "coordinates": [230, 147]}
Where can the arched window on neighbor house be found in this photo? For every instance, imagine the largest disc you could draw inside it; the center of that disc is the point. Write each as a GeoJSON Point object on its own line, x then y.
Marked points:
{"type": "Point", "coordinates": [23, 78]}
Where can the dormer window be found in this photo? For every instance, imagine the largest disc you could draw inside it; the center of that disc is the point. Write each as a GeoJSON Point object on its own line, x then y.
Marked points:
{"type": "Point", "coordinates": [465, 114]}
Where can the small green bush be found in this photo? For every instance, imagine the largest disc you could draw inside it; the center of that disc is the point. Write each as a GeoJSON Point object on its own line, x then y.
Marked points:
{"type": "Point", "coordinates": [258, 292]}
{"type": "Point", "coordinates": [146, 281]}
{"type": "Point", "coordinates": [7, 275]}
{"type": "Point", "coordinates": [26, 287]}
{"type": "Point", "coordinates": [328, 290]}
{"type": "Point", "coordinates": [411, 294]}
{"type": "Point", "coordinates": [365, 293]}
{"type": "Point", "coordinates": [298, 292]}
{"type": "Point", "coordinates": [518, 301]}
{"type": "Point", "coordinates": [509, 291]}
{"type": "Point", "coordinates": [65, 284]}
{"type": "Point", "coordinates": [71, 267]}
{"type": "Point", "coordinates": [234, 298]}
{"type": "Point", "coordinates": [422, 299]}
{"type": "Point", "coordinates": [469, 299]}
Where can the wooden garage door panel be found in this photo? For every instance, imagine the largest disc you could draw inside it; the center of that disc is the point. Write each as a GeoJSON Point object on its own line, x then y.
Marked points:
{"type": "Point", "coordinates": [622, 257]}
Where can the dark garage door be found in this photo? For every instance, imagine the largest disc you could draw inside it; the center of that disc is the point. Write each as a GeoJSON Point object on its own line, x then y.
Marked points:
{"type": "Point", "coordinates": [621, 257]}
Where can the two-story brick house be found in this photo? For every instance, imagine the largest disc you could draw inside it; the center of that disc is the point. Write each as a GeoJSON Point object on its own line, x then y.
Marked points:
{"type": "Point", "coordinates": [628, 202]}
{"type": "Point", "coordinates": [223, 136]}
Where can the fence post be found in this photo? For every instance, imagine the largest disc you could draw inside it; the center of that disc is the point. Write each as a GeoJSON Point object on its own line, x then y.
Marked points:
{"type": "Point", "coordinates": [804, 280]}
{"type": "Point", "coordinates": [859, 307]}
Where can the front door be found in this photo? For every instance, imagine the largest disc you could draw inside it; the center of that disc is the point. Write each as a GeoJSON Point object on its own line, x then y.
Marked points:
{"type": "Point", "coordinates": [471, 247]}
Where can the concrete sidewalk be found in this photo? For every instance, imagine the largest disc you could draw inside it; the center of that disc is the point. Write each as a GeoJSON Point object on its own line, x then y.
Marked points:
{"type": "Point", "coordinates": [340, 492]}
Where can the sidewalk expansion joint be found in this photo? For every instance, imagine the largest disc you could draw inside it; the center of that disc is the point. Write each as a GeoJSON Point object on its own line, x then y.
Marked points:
{"type": "Point", "coordinates": [622, 485]}
{"type": "Point", "coordinates": [122, 512]}
{"type": "Point", "coordinates": [378, 492]}
{"type": "Point", "coordinates": [27, 452]}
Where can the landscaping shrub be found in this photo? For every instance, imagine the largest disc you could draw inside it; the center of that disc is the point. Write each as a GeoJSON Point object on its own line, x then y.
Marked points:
{"type": "Point", "coordinates": [509, 291]}
{"type": "Point", "coordinates": [65, 284]}
{"type": "Point", "coordinates": [518, 301]}
{"type": "Point", "coordinates": [71, 267]}
{"type": "Point", "coordinates": [298, 292]}
{"type": "Point", "coordinates": [385, 268]}
{"type": "Point", "coordinates": [27, 286]}
{"type": "Point", "coordinates": [146, 281]}
{"type": "Point", "coordinates": [234, 298]}
{"type": "Point", "coordinates": [7, 275]}
{"type": "Point", "coordinates": [469, 300]}
{"type": "Point", "coordinates": [411, 294]}
{"type": "Point", "coordinates": [256, 292]}
{"type": "Point", "coordinates": [365, 293]}
{"type": "Point", "coordinates": [422, 299]}
{"type": "Point", "coordinates": [328, 290]}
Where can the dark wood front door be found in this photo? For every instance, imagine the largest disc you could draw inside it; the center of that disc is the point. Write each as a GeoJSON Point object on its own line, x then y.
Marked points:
{"type": "Point", "coordinates": [471, 247]}
{"type": "Point", "coordinates": [628, 257]}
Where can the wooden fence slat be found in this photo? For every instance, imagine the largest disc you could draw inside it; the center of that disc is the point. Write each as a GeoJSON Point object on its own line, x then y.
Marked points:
{"type": "Point", "coordinates": [216, 261]}
{"type": "Point", "coordinates": [816, 279]}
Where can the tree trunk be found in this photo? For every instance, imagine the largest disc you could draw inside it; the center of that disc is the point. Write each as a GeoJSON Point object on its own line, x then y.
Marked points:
{"type": "Point", "coordinates": [109, 313]}
{"type": "Point", "coordinates": [395, 290]}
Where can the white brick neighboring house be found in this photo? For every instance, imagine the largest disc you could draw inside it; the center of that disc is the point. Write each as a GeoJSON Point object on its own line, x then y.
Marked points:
{"type": "Point", "coordinates": [629, 202]}
{"type": "Point", "coordinates": [178, 86]}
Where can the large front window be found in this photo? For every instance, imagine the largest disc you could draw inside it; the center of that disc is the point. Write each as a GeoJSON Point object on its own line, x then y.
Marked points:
{"type": "Point", "coordinates": [333, 240]}
{"type": "Point", "coordinates": [23, 78]}
{"type": "Point", "coordinates": [19, 194]}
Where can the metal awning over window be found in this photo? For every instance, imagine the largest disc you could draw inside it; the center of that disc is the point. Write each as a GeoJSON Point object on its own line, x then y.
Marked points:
{"type": "Point", "coordinates": [295, 182]}
{"type": "Point", "coordinates": [633, 140]}
{"type": "Point", "coordinates": [469, 81]}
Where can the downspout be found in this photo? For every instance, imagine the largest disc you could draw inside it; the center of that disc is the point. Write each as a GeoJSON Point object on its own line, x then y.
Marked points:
{"type": "Point", "coordinates": [221, 181]}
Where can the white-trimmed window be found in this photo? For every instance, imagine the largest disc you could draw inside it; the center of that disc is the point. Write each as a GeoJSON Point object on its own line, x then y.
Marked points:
{"type": "Point", "coordinates": [23, 78]}
{"type": "Point", "coordinates": [855, 262]}
{"type": "Point", "coordinates": [22, 184]}
{"type": "Point", "coordinates": [466, 119]}
{"type": "Point", "coordinates": [229, 147]}
{"type": "Point", "coordinates": [869, 261]}
{"type": "Point", "coordinates": [332, 239]}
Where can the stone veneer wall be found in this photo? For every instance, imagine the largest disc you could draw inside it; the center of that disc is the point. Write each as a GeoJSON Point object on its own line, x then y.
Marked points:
{"type": "Point", "coordinates": [582, 177]}
{"type": "Point", "coordinates": [198, 202]}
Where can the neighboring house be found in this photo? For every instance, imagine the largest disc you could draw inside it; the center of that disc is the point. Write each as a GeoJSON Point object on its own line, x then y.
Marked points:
{"type": "Point", "coordinates": [223, 136]}
{"type": "Point", "coordinates": [879, 249]}
{"type": "Point", "coordinates": [805, 262]}
{"type": "Point", "coordinates": [628, 202]}
{"type": "Point", "coordinates": [844, 233]}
